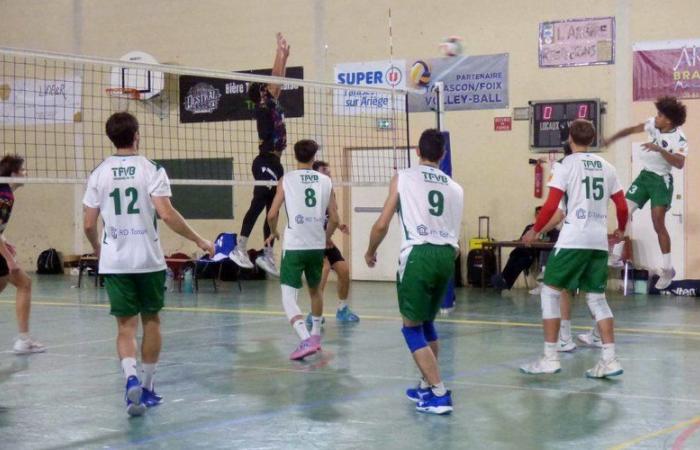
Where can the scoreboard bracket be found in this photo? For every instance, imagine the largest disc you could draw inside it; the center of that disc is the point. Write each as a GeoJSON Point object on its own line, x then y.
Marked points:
{"type": "Point", "coordinates": [550, 120]}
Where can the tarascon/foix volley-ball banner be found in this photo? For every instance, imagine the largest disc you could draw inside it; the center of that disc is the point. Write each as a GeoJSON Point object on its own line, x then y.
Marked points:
{"type": "Point", "coordinates": [471, 82]}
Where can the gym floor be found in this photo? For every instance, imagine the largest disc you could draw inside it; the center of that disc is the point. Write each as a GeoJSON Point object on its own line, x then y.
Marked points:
{"type": "Point", "coordinates": [227, 382]}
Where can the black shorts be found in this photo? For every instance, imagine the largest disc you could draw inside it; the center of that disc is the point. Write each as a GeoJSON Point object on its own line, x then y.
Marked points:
{"type": "Point", "coordinates": [4, 270]}
{"type": "Point", "coordinates": [333, 255]}
{"type": "Point", "coordinates": [267, 167]}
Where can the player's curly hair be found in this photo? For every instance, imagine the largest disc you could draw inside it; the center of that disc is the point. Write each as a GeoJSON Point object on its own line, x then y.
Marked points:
{"type": "Point", "coordinates": [673, 109]}
{"type": "Point", "coordinates": [10, 164]}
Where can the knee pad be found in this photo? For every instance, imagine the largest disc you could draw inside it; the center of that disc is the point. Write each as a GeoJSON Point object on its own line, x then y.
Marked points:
{"type": "Point", "coordinates": [289, 301]}
{"type": "Point", "coordinates": [414, 338]}
{"type": "Point", "coordinates": [599, 306]}
{"type": "Point", "coordinates": [551, 303]}
{"type": "Point", "coordinates": [429, 331]}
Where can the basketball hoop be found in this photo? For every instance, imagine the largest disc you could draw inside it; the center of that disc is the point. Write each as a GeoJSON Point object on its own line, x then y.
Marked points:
{"type": "Point", "coordinates": [131, 93]}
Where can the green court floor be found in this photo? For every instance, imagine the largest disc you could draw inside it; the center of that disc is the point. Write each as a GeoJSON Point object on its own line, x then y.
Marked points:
{"type": "Point", "coordinates": [227, 381]}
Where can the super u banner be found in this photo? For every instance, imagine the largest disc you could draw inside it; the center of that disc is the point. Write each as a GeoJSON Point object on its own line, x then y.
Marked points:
{"type": "Point", "coordinates": [471, 82]}
{"type": "Point", "coordinates": [382, 74]}
{"type": "Point", "coordinates": [666, 68]}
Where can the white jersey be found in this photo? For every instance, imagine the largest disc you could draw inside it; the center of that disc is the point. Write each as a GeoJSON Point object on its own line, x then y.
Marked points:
{"type": "Point", "coordinates": [430, 207]}
{"type": "Point", "coordinates": [121, 187]}
{"type": "Point", "coordinates": [674, 142]}
{"type": "Point", "coordinates": [588, 181]}
{"type": "Point", "coordinates": [306, 197]}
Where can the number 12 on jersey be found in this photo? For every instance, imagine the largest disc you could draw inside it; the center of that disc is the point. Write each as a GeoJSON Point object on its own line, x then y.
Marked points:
{"type": "Point", "coordinates": [132, 193]}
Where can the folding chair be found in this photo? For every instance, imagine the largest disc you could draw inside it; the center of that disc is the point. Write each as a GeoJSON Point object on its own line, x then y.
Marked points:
{"type": "Point", "coordinates": [206, 267]}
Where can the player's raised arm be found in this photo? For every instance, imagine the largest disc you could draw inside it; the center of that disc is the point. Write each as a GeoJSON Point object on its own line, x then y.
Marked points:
{"type": "Point", "coordinates": [381, 226]}
{"type": "Point", "coordinates": [623, 133]}
{"type": "Point", "coordinates": [279, 67]}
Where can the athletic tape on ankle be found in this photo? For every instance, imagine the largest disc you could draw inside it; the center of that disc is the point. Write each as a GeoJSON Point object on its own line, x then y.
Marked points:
{"type": "Point", "coordinates": [429, 331]}
{"type": "Point", "coordinates": [551, 303]}
{"type": "Point", "coordinates": [289, 301]}
{"type": "Point", "coordinates": [598, 306]}
{"type": "Point", "coordinates": [414, 338]}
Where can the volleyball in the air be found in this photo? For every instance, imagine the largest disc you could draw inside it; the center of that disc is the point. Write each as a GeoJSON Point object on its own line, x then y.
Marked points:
{"type": "Point", "coordinates": [451, 46]}
{"type": "Point", "coordinates": [420, 73]}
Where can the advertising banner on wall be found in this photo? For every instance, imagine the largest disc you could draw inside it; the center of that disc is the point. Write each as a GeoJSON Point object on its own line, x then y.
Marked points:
{"type": "Point", "coordinates": [666, 68]}
{"type": "Point", "coordinates": [29, 101]}
{"type": "Point", "coordinates": [577, 42]}
{"type": "Point", "coordinates": [471, 82]}
{"type": "Point", "coordinates": [215, 99]}
{"type": "Point", "coordinates": [383, 74]}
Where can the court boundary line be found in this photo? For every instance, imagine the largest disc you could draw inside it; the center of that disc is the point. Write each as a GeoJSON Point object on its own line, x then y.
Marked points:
{"type": "Point", "coordinates": [661, 432]}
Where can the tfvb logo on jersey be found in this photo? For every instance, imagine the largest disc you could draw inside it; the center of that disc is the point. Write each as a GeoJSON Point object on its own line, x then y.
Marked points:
{"type": "Point", "coordinates": [434, 178]}
{"type": "Point", "coordinates": [592, 165]}
{"type": "Point", "coordinates": [306, 178]}
{"type": "Point", "coordinates": [123, 173]}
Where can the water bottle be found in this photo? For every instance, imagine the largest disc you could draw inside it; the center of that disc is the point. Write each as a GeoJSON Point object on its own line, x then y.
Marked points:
{"type": "Point", "coordinates": [187, 284]}
{"type": "Point", "coordinates": [169, 280]}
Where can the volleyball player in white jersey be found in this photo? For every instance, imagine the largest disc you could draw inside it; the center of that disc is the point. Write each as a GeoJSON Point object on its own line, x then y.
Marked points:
{"type": "Point", "coordinates": [579, 259]}
{"type": "Point", "coordinates": [306, 195]}
{"type": "Point", "coordinates": [429, 204]}
{"type": "Point", "coordinates": [127, 190]}
{"type": "Point", "coordinates": [667, 149]}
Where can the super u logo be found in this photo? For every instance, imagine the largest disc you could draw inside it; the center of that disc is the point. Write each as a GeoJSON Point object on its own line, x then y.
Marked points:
{"type": "Point", "coordinates": [393, 76]}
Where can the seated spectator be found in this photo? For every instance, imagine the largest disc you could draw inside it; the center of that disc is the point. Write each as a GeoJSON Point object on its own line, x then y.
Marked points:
{"type": "Point", "coordinates": [521, 259]}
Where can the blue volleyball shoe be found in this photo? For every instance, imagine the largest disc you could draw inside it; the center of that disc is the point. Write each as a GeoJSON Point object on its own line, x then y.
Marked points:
{"type": "Point", "coordinates": [150, 398]}
{"type": "Point", "coordinates": [134, 407]}
{"type": "Point", "coordinates": [432, 404]}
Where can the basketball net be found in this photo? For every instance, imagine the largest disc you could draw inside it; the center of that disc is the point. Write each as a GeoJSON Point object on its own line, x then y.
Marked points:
{"type": "Point", "coordinates": [123, 98]}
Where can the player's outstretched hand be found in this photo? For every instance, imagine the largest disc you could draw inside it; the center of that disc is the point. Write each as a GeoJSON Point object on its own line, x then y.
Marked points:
{"type": "Point", "coordinates": [206, 246]}
{"type": "Point", "coordinates": [371, 259]}
{"type": "Point", "coordinates": [282, 46]}
{"type": "Point", "coordinates": [651, 147]}
{"type": "Point", "coordinates": [530, 237]}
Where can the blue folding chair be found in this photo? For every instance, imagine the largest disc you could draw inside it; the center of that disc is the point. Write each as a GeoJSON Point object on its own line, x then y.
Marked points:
{"type": "Point", "coordinates": [223, 245]}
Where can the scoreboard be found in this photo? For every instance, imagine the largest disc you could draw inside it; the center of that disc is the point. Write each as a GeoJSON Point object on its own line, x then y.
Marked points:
{"type": "Point", "coordinates": [550, 120]}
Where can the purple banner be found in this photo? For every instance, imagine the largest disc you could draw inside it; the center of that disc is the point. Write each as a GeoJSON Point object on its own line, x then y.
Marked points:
{"type": "Point", "coordinates": [666, 71]}
{"type": "Point", "coordinates": [577, 42]}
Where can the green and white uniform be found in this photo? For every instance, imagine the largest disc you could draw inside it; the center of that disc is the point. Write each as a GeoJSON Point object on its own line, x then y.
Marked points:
{"type": "Point", "coordinates": [430, 211]}
{"type": "Point", "coordinates": [579, 259]}
{"type": "Point", "coordinates": [131, 256]}
{"type": "Point", "coordinates": [306, 197]}
{"type": "Point", "coordinates": [655, 181]}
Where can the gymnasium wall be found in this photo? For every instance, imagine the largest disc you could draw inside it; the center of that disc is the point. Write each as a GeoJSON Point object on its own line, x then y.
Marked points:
{"type": "Point", "coordinates": [229, 35]}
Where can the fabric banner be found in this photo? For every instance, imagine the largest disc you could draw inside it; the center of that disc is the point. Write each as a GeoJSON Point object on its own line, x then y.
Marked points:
{"type": "Point", "coordinates": [471, 82]}
{"type": "Point", "coordinates": [215, 99]}
{"type": "Point", "coordinates": [666, 68]}
{"type": "Point", "coordinates": [29, 101]}
{"type": "Point", "coordinates": [577, 42]}
{"type": "Point", "coordinates": [385, 74]}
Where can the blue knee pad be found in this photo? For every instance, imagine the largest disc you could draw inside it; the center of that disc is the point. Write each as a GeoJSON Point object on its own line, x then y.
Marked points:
{"type": "Point", "coordinates": [414, 338]}
{"type": "Point", "coordinates": [429, 331]}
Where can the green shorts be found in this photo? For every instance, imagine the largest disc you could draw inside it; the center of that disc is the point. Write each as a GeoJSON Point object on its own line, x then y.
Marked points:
{"type": "Point", "coordinates": [422, 279]}
{"type": "Point", "coordinates": [651, 186]}
{"type": "Point", "coordinates": [131, 294]}
{"type": "Point", "coordinates": [296, 262]}
{"type": "Point", "coordinates": [572, 268]}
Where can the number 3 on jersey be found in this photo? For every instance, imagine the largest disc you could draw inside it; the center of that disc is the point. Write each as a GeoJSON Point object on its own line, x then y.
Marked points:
{"type": "Point", "coordinates": [128, 192]}
{"type": "Point", "coordinates": [310, 197]}
{"type": "Point", "coordinates": [437, 201]}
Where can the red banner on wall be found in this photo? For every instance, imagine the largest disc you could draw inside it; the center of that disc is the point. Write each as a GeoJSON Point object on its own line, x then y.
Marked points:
{"type": "Point", "coordinates": [666, 68]}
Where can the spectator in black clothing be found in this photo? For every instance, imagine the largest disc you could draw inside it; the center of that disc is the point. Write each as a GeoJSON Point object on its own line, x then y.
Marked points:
{"type": "Point", "coordinates": [521, 259]}
{"type": "Point", "coordinates": [272, 134]}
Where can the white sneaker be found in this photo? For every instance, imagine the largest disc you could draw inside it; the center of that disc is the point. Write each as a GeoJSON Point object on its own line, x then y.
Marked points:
{"type": "Point", "coordinates": [566, 345]}
{"type": "Point", "coordinates": [665, 278]}
{"type": "Point", "coordinates": [27, 346]}
{"type": "Point", "coordinates": [542, 365]}
{"type": "Point", "coordinates": [240, 257]}
{"type": "Point", "coordinates": [537, 290]}
{"type": "Point", "coordinates": [590, 339]}
{"type": "Point", "coordinates": [267, 263]}
{"type": "Point", "coordinates": [604, 369]}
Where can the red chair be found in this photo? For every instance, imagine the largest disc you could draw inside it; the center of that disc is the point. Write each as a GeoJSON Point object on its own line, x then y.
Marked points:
{"type": "Point", "coordinates": [178, 263]}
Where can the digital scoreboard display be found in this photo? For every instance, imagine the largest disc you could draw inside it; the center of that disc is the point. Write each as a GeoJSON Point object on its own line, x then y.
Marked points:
{"type": "Point", "coordinates": [550, 120]}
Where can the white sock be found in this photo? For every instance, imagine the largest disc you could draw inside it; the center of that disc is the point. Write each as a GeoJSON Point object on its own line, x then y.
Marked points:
{"type": "Point", "coordinates": [148, 372]}
{"type": "Point", "coordinates": [667, 264]}
{"type": "Point", "coordinates": [595, 331]}
{"type": "Point", "coordinates": [608, 351]}
{"type": "Point", "coordinates": [316, 325]}
{"type": "Point", "coordinates": [439, 389]}
{"type": "Point", "coordinates": [565, 330]}
{"type": "Point", "coordinates": [550, 350]}
{"type": "Point", "coordinates": [424, 384]}
{"type": "Point", "coordinates": [342, 304]}
{"type": "Point", "coordinates": [300, 327]}
{"type": "Point", "coordinates": [242, 242]}
{"type": "Point", "coordinates": [129, 367]}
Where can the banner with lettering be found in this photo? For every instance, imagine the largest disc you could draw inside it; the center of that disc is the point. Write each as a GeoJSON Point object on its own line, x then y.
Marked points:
{"type": "Point", "coordinates": [30, 101]}
{"type": "Point", "coordinates": [666, 68]}
{"type": "Point", "coordinates": [471, 82]}
{"type": "Point", "coordinates": [384, 74]}
{"type": "Point", "coordinates": [577, 42]}
{"type": "Point", "coordinates": [216, 99]}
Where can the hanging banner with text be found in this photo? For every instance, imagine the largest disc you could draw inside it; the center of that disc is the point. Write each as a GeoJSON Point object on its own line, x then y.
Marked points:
{"type": "Point", "coordinates": [471, 82]}
{"type": "Point", "coordinates": [30, 101]}
{"type": "Point", "coordinates": [383, 74]}
{"type": "Point", "coordinates": [666, 68]}
{"type": "Point", "coordinates": [215, 99]}
{"type": "Point", "coordinates": [577, 42]}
